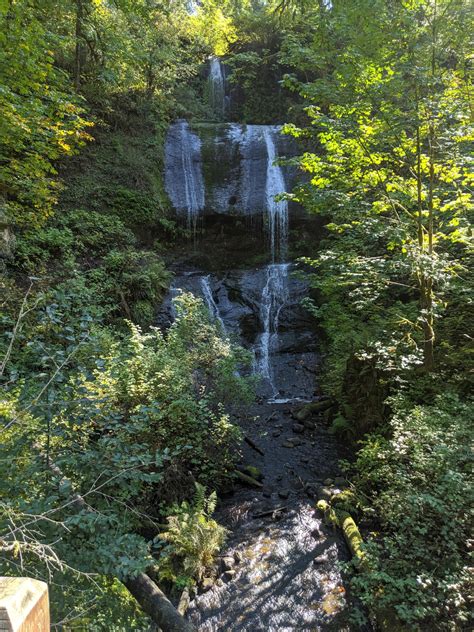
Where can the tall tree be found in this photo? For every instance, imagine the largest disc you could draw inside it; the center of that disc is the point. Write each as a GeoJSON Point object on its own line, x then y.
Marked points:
{"type": "Point", "coordinates": [390, 113]}
{"type": "Point", "coordinates": [40, 118]}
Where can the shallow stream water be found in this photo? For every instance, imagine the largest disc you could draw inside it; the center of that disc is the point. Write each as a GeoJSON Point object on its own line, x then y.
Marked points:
{"type": "Point", "coordinates": [287, 576]}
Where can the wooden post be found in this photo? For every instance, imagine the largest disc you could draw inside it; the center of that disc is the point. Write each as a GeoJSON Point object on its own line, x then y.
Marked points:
{"type": "Point", "coordinates": [24, 605]}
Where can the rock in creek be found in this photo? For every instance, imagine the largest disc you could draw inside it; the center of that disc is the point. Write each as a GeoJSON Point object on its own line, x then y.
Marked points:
{"type": "Point", "coordinates": [227, 563]}
{"type": "Point", "coordinates": [207, 583]}
{"type": "Point", "coordinates": [229, 575]}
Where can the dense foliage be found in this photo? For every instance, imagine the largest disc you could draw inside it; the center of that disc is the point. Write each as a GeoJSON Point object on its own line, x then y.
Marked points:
{"type": "Point", "coordinates": [129, 423]}
{"type": "Point", "coordinates": [110, 426]}
{"type": "Point", "coordinates": [419, 482]}
{"type": "Point", "coordinates": [388, 148]}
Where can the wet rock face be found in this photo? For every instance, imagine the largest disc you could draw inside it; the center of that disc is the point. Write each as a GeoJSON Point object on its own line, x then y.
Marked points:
{"type": "Point", "coordinates": [236, 299]}
{"type": "Point", "coordinates": [229, 241]}
{"type": "Point", "coordinates": [229, 160]}
{"type": "Point", "coordinates": [237, 295]}
{"type": "Point", "coordinates": [183, 172]}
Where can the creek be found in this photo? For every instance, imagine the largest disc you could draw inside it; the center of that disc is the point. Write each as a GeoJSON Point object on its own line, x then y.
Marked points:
{"type": "Point", "coordinates": [223, 180]}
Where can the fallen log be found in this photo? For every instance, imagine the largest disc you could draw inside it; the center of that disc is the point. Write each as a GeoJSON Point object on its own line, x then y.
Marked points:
{"type": "Point", "coordinates": [314, 407]}
{"type": "Point", "coordinates": [156, 604]}
{"type": "Point", "coordinates": [250, 470]}
{"type": "Point", "coordinates": [247, 479]}
{"type": "Point", "coordinates": [387, 619]}
{"type": "Point", "coordinates": [152, 600]}
{"type": "Point", "coordinates": [349, 528]}
{"type": "Point", "coordinates": [184, 601]}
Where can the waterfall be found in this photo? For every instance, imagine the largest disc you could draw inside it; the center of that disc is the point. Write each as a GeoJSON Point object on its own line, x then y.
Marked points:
{"type": "Point", "coordinates": [216, 82]}
{"type": "Point", "coordinates": [184, 181]}
{"type": "Point", "coordinates": [210, 302]}
{"type": "Point", "coordinates": [277, 211]}
{"type": "Point", "coordinates": [274, 296]}
{"type": "Point", "coordinates": [275, 291]}
{"type": "Point", "coordinates": [250, 181]}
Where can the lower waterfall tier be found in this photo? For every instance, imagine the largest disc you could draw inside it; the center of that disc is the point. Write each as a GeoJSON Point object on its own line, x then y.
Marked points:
{"type": "Point", "coordinates": [261, 309]}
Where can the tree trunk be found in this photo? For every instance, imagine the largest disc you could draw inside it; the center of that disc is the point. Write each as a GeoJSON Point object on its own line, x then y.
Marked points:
{"type": "Point", "coordinates": [427, 289]}
{"type": "Point", "coordinates": [426, 303]}
{"type": "Point", "coordinates": [79, 44]}
{"type": "Point", "coordinates": [156, 605]}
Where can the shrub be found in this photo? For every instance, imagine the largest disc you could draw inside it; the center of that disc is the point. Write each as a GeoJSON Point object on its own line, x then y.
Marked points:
{"type": "Point", "coordinates": [33, 250]}
{"type": "Point", "coordinates": [419, 482]}
{"type": "Point", "coordinates": [96, 232]}
{"type": "Point", "coordinates": [132, 282]}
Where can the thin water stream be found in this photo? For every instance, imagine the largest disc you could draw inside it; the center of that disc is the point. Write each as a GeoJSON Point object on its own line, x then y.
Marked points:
{"type": "Point", "coordinates": [211, 303]}
{"type": "Point", "coordinates": [183, 173]}
{"type": "Point", "coordinates": [216, 82]}
{"type": "Point", "coordinates": [274, 296]}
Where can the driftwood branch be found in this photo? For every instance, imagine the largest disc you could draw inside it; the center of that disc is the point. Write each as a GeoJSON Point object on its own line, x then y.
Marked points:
{"type": "Point", "coordinates": [269, 512]}
{"type": "Point", "coordinates": [253, 445]}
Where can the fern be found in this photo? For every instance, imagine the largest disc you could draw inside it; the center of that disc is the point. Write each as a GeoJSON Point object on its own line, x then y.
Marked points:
{"type": "Point", "coordinates": [193, 538]}
{"type": "Point", "coordinates": [200, 498]}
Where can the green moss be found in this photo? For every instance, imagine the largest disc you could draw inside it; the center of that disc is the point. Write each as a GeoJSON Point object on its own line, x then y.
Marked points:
{"type": "Point", "coordinates": [254, 472]}
{"type": "Point", "coordinates": [219, 157]}
{"type": "Point", "coordinates": [121, 174]}
{"type": "Point", "coordinates": [345, 500]}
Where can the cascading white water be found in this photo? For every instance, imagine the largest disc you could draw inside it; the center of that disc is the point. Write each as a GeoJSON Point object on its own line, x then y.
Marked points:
{"type": "Point", "coordinates": [277, 210]}
{"type": "Point", "coordinates": [210, 302]}
{"type": "Point", "coordinates": [260, 182]}
{"type": "Point", "coordinates": [275, 291]}
{"type": "Point", "coordinates": [274, 296]}
{"type": "Point", "coordinates": [217, 87]}
{"type": "Point", "coordinates": [184, 181]}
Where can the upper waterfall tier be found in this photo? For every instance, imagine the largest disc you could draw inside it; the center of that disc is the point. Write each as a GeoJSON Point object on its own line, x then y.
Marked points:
{"type": "Point", "coordinates": [216, 82]}
{"type": "Point", "coordinates": [234, 164]}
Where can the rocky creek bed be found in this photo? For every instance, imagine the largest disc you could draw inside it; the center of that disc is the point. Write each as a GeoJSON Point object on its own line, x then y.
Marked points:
{"type": "Point", "coordinates": [280, 569]}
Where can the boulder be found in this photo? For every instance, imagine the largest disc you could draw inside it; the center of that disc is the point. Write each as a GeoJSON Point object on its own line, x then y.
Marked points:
{"type": "Point", "coordinates": [229, 575]}
{"type": "Point", "coordinates": [207, 583]}
{"type": "Point", "coordinates": [227, 563]}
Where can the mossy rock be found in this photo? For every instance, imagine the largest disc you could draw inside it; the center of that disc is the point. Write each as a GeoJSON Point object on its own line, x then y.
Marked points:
{"type": "Point", "coordinates": [253, 471]}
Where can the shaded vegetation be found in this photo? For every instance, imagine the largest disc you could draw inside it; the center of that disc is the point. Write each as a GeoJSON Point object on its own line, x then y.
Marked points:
{"type": "Point", "coordinates": [98, 403]}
